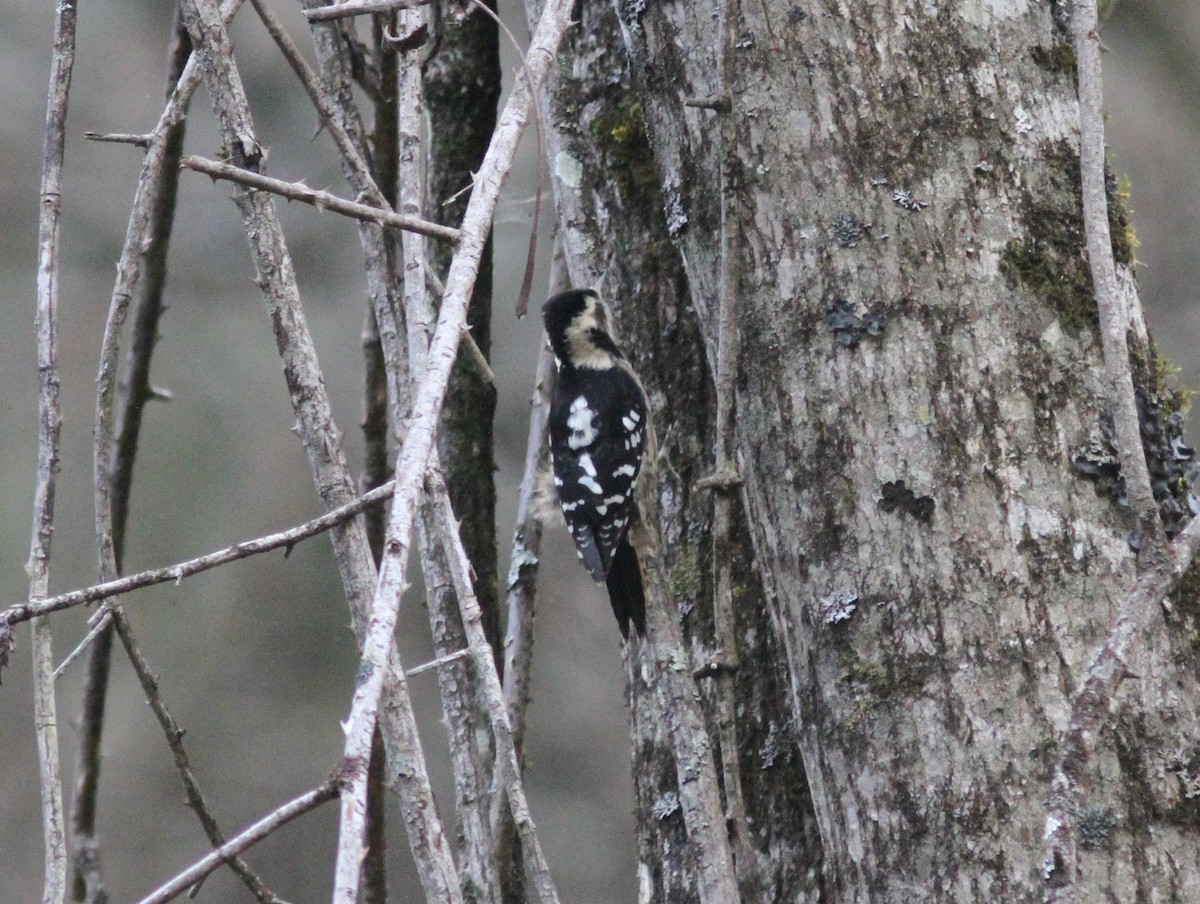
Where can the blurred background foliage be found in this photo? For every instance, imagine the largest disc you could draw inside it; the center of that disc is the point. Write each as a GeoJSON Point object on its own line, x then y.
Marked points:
{"type": "Point", "coordinates": [256, 660]}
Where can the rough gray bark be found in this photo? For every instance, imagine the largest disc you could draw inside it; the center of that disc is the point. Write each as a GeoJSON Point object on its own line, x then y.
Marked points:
{"type": "Point", "coordinates": [930, 498]}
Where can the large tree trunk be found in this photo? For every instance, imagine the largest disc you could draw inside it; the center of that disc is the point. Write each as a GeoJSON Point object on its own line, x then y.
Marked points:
{"type": "Point", "coordinates": [932, 541]}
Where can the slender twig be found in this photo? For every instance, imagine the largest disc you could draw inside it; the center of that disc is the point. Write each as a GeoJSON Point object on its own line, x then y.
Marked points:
{"type": "Point", "coordinates": [475, 355]}
{"type": "Point", "coordinates": [174, 735]}
{"type": "Point", "coordinates": [180, 570]}
{"type": "Point", "coordinates": [508, 768]}
{"type": "Point", "coordinates": [457, 682]}
{"type": "Point", "coordinates": [521, 596]}
{"type": "Point", "coordinates": [134, 392]}
{"type": "Point", "coordinates": [141, 141]}
{"type": "Point", "coordinates": [414, 456]}
{"type": "Point", "coordinates": [49, 422]}
{"type": "Point", "coordinates": [360, 8]}
{"type": "Point", "coordinates": [322, 200]}
{"type": "Point", "coordinates": [138, 236]}
{"type": "Point", "coordinates": [527, 534]}
{"type": "Point", "coordinates": [725, 479]}
{"type": "Point", "coordinates": [251, 836]}
{"type": "Point", "coordinates": [384, 155]}
{"type": "Point", "coordinates": [1160, 565]}
{"type": "Point", "coordinates": [1092, 704]}
{"type": "Point", "coordinates": [1113, 307]}
{"type": "Point", "coordinates": [333, 97]}
{"type": "Point", "coordinates": [439, 662]}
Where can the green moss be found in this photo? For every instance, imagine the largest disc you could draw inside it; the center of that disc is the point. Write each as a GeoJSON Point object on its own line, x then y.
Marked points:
{"type": "Point", "coordinates": [1058, 58]}
{"type": "Point", "coordinates": [686, 580]}
{"type": "Point", "coordinates": [1042, 264]}
{"type": "Point", "coordinates": [1120, 221]}
{"type": "Point", "coordinates": [620, 136]}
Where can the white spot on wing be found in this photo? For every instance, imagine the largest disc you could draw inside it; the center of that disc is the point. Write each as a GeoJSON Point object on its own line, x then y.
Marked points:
{"type": "Point", "coordinates": [627, 470]}
{"type": "Point", "coordinates": [590, 483]}
{"type": "Point", "coordinates": [585, 462]}
{"type": "Point", "coordinates": [581, 420]}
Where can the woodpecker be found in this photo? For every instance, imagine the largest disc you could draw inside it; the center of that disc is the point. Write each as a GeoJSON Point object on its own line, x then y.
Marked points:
{"type": "Point", "coordinates": [599, 426]}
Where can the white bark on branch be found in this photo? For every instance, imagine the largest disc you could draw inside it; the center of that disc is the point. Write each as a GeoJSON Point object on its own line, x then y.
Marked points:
{"type": "Point", "coordinates": [360, 8]}
{"type": "Point", "coordinates": [49, 423]}
{"type": "Point", "coordinates": [321, 438]}
{"type": "Point", "coordinates": [414, 456]}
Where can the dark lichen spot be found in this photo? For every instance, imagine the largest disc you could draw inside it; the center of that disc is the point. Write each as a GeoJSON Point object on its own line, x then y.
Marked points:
{"type": "Point", "coordinates": [848, 229]}
{"type": "Point", "coordinates": [898, 497]}
{"type": "Point", "coordinates": [849, 328]}
{"type": "Point", "coordinates": [1096, 826]}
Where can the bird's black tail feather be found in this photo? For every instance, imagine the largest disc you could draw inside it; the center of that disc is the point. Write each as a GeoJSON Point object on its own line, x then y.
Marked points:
{"type": "Point", "coordinates": [625, 590]}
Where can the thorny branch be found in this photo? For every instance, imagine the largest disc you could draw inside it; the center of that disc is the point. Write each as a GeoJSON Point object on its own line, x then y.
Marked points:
{"type": "Point", "coordinates": [134, 393]}
{"type": "Point", "coordinates": [249, 837]}
{"type": "Point", "coordinates": [322, 200]}
{"type": "Point", "coordinates": [183, 765]}
{"type": "Point", "coordinates": [49, 423]}
{"type": "Point", "coordinates": [322, 442]}
{"type": "Point", "coordinates": [415, 455]}
{"type": "Point", "coordinates": [177, 572]}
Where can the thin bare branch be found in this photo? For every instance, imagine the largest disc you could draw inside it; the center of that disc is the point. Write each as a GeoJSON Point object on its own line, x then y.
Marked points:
{"type": "Point", "coordinates": [527, 534]}
{"type": "Point", "coordinates": [726, 658]}
{"type": "Point", "coordinates": [508, 768]}
{"type": "Point", "coordinates": [1112, 303]}
{"type": "Point", "coordinates": [141, 141]}
{"type": "Point", "coordinates": [475, 355]}
{"type": "Point", "coordinates": [521, 596]}
{"type": "Point", "coordinates": [134, 392]}
{"type": "Point", "coordinates": [322, 200]}
{"type": "Point", "coordinates": [1160, 565]}
{"type": "Point", "coordinates": [174, 735]}
{"type": "Point", "coordinates": [180, 570]}
{"type": "Point", "coordinates": [251, 836]}
{"type": "Point", "coordinates": [322, 442]}
{"type": "Point", "coordinates": [415, 455]}
{"type": "Point", "coordinates": [49, 422]}
{"type": "Point", "coordinates": [457, 681]}
{"type": "Point", "coordinates": [439, 662]}
{"type": "Point", "coordinates": [333, 97]}
{"type": "Point", "coordinates": [361, 8]}
{"type": "Point", "coordinates": [1092, 704]}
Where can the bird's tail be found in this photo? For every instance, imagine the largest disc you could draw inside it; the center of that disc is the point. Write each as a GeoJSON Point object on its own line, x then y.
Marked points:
{"type": "Point", "coordinates": [625, 590]}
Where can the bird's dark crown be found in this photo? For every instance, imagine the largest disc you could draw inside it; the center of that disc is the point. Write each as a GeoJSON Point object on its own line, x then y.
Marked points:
{"type": "Point", "coordinates": [561, 310]}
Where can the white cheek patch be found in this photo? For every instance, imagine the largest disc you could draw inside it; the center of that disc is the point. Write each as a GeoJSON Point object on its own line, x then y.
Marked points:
{"type": "Point", "coordinates": [581, 421]}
